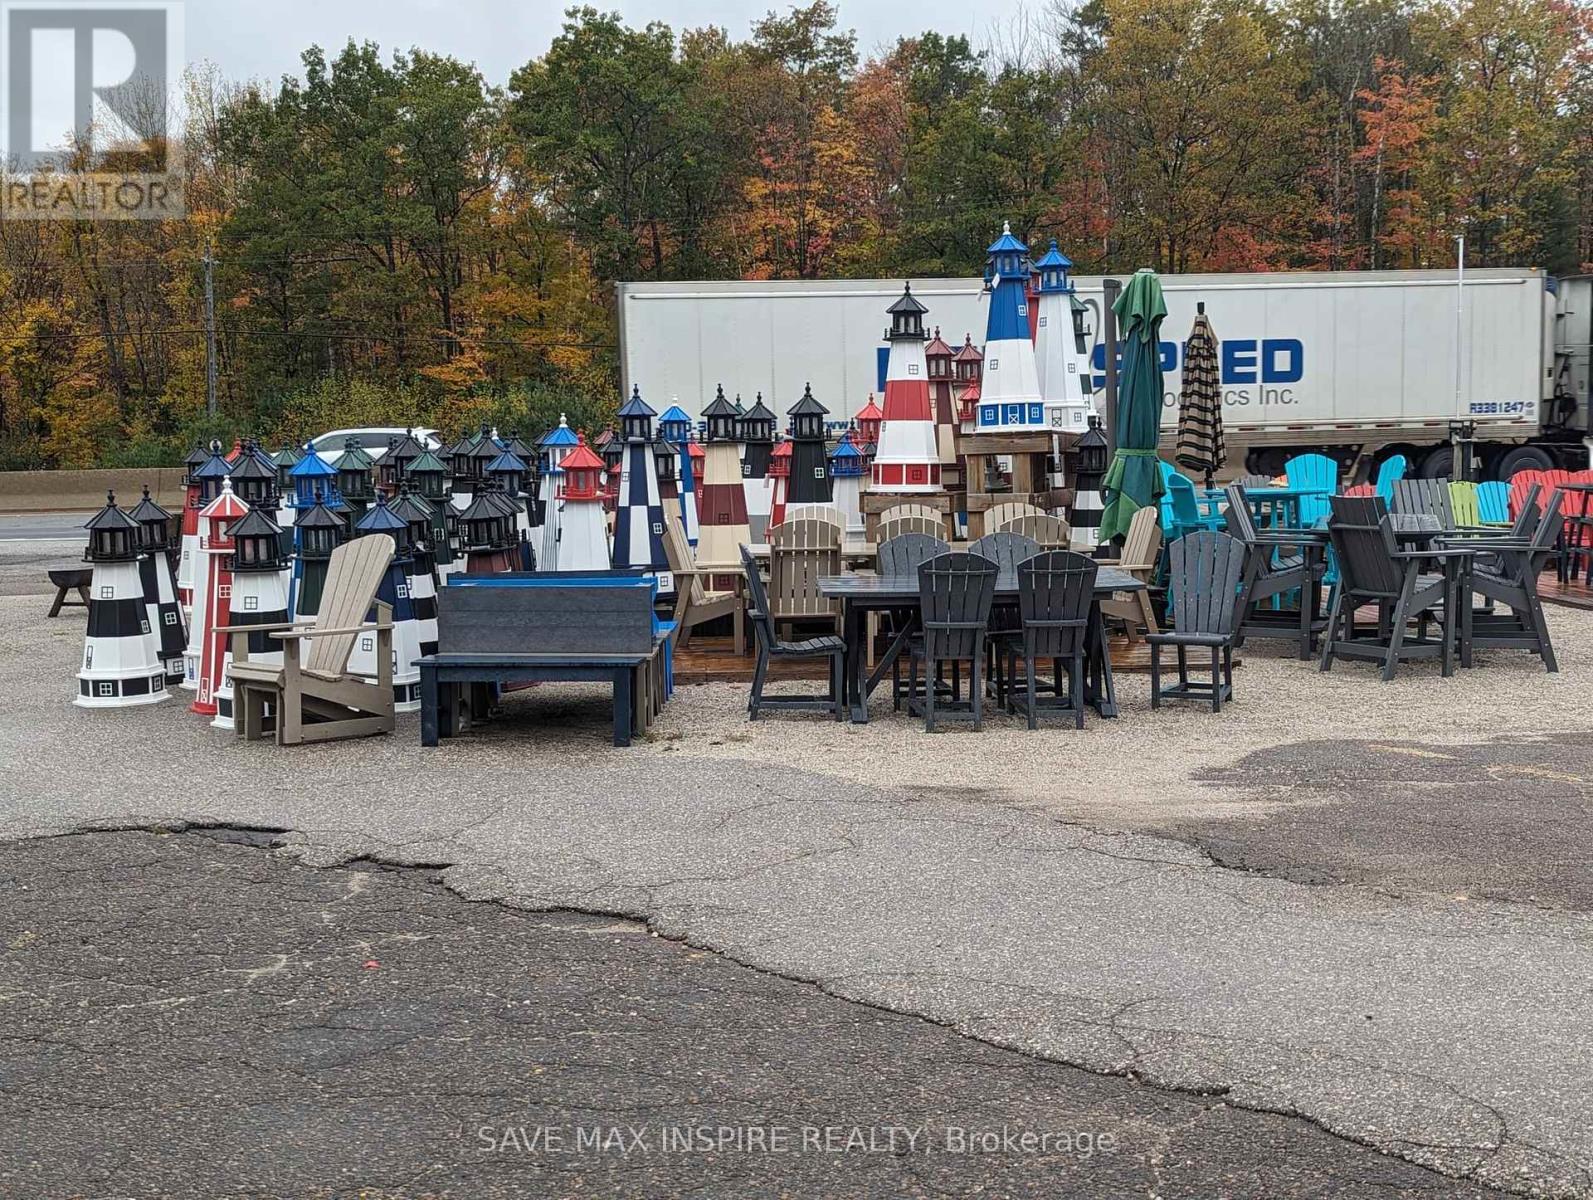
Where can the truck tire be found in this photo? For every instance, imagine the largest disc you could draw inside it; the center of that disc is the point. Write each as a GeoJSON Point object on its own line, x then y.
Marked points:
{"type": "Point", "coordinates": [1437, 463]}
{"type": "Point", "coordinates": [1523, 458]}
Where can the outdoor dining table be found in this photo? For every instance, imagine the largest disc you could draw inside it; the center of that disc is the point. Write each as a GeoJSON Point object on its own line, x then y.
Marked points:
{"type": "Point", "coordinates": [1278, 507]}
{"type": "Point", "coordinates": [862, 594]}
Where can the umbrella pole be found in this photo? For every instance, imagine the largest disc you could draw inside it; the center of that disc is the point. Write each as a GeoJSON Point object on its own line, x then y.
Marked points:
{"type": "Point", "coordinates": [1110, 289]}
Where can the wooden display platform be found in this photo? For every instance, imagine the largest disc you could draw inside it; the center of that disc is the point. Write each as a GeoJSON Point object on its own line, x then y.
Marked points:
{"type": "Point", "coordinates": [1575, 594]}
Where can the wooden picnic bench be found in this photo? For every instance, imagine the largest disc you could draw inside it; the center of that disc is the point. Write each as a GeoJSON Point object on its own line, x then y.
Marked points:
{"type": "Point", "coordinates": [517, 629]}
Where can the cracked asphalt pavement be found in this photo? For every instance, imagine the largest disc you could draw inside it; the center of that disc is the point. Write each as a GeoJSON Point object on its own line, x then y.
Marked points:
{"type": "Point", "coordinates": [190, 1017]}
{"type": "Point", "coordinates": [1357, 905]}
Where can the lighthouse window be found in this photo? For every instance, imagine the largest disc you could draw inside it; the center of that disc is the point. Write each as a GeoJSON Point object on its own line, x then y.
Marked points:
{"type": "Point", "coordinates": [107, 592]}
{"type": "Point", "coordinates": [107, 689]}
{"type": "Point", "coordinates": [171, 618]}
{"type": "Point", "coordinates": [367, 644]}
{"type": "Point", "coordinates": [912, 368]}
{"type": "Point", "coordinates": [1023, 310]}
{"type": "Point", "coordinates": [1042, 322]}
{"type": "Point", "coordinates": [818, 472]}
{"type": "Point", "coordinates": [992, 364]}
{"type": "Point", "coordinates": [658, 529]}
{"type": "Point", "coordinates": [225, 591]}
{"type": "Point", "coordinates": [250, 603]}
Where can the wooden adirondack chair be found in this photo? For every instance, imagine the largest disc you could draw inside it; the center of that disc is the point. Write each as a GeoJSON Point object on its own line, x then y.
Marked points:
{"type": "Point", "coordinates": [816, 512]}
{"type": "Point", "coordinates": [312, 696]}
{"type": "Point", "coordinates": [1276, 564]}
{"type": "Point", "coordinates": [1463, 503]}
{"type": "Point", "coordinates": [800, 554]}
{"type": "Point", "coordinates": [1493, 503]}
{"type": "Point", "coordinates": [694, 604]}
{"type": "Point", "coordinates": [1004, 513]}
{"type": "Point", "coordinates": [1315, 471]}
{"type": "Point", "coordinates": [1511, 580]}
{"type": "Point", "coordinates": [1052, 533]}
{"type": "Point", "coordinates": [1375, 571]}
{"type": "Point", "coordinates": [1203, 584]}
{"type": "Point", "coordinates": [894, 525]}
{"type": "Point", "coordinates": [1142, 550]}
{"type": "Point", "coordinates": [1429, 496]}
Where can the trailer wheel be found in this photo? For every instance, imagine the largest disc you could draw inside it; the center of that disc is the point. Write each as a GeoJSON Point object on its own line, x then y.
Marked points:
{"type": "Point", "coordinates": [1523, 458]}
{"type": "Point", "coordinates": [1438, 463]}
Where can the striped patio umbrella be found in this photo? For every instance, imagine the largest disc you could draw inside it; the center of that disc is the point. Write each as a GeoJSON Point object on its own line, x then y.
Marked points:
{"type": "Point", "coordinates": [1200, 445]}
{"type": "Point", "coordinates": [1134, 479]}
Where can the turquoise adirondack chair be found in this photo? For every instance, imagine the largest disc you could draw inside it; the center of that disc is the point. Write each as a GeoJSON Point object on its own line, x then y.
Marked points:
{"type": "Point", "coordinates": [1313, 470]}
{"type": "Point", "coordinates": [1392, 470]}
{"type": "Point", "coordinates": [1493, 502]}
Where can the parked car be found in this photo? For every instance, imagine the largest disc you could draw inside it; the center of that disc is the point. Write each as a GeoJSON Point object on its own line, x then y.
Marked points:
{"type": "Point", "coordinates": [372, 440]}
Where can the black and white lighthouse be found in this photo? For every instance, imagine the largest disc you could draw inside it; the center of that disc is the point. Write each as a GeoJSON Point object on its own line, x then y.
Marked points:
{"type": "Point", "coordinates": [121, 666]}
{"type": "Point", "coordinates": [810, 467]}
{"type": "Point", "coordinates": [156, 533]}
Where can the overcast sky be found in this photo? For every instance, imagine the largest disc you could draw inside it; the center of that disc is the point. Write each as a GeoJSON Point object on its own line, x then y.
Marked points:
{"type": "Point", "coordinates": [263, 40]}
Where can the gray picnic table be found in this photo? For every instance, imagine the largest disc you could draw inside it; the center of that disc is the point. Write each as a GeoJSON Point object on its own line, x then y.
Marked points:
{"type": "Point", "coordinates": [862, 594]}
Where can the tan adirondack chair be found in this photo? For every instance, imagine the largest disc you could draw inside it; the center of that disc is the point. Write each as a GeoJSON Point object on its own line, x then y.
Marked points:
{"type": "Point", "coordinates": [1002, 515]}
{"type": "Point", "coordinates": [817, 512]}
{"type": "Point", "coordinates": [910, 518]}
{"type": "Point", "coordinates": [1142, 546]}
{"type": "Point", "coordinates": [1053, 533]}
{"type": "Point", "coordinates": [694, 604]}
{"type": "Point", "coordinates": [312, 696]}
{"type": "Point", "coordinates": [800, 554]}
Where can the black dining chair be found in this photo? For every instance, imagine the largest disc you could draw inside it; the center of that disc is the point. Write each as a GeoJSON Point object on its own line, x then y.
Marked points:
{"type": "Point", "coordinates": [770, 647]}
{"type": "Point", "coordinates": [1055, 590]}
{"type": "Point", "coordinates": [955, 592]}
{"type": "Point", "coordinates": [1276, 565]}
{"type": "Point", "coordinates": [900, 557]}
{"type": "Point", "coordinates": [1203, 583]}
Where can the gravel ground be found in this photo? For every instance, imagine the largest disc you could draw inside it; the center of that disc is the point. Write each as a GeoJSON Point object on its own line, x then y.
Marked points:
{"type": "Point", "coordinates": [978, 879]}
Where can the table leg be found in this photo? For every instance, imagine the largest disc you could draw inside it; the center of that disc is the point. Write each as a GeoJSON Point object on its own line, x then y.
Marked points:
{"type": "Point", "coordinates": [622, 706]}
{"type": "Point", "coordinates": [448, 702]}
{"type": "Point", "coordinates": [1467, 617]}
{"type": "Point", "coordinates": [854, 623]}
{"type": "Point", "coordinates": [428, 705]}
{"type": "Point", "coordinates": [1103, 691]}
{"type": "Point", "coordinates": [1451, 621]}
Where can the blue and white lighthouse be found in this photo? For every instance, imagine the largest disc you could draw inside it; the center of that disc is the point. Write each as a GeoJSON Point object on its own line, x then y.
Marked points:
{"type": "Point", "coordinates": [1060, 352]}
{"type": "Point", "coordinates": [1010, 399]}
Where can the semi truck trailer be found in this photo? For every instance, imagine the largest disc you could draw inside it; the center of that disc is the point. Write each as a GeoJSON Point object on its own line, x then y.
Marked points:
{"type": "Point", "coordinates": [1356, 364]}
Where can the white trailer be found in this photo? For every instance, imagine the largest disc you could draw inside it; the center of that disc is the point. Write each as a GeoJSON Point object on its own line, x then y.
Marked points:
{"type": "Point", "coordinates": [1359, 364]}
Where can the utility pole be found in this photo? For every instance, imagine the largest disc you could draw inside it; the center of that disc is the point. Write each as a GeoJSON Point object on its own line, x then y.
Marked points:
{"type": "Point", "coordinates": [1460, 465]}
{"type": "Point", "coordinates": [210, 332]}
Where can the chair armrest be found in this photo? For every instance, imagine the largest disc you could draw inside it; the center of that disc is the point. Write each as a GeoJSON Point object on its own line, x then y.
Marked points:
{"type": "Point", "coordinates": [1451, 552]}
{"type": "Point", "coordinates": [310, 633]}
{"type": "Point", "coordinates": [274, 627]}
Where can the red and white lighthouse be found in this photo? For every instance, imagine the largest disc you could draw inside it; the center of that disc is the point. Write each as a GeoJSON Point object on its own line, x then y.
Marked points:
{"type": "Point", "coordinates": [907, 458]}
{"type": "Point", "coordinates": [213, 595]}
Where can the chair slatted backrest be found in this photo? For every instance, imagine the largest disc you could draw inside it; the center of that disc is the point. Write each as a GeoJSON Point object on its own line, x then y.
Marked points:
{"type": "Point", "coordinates": [955, 592]}
{"type": "Point", "coordinates": [1241, 522]}
{"type": "Point", "coordinates": [802, 552]}
{"type": "Point", "coordinates": [1364, 546]}
{"type": "Point", "coordinates": [1493, 503]}
{"type": "Point", "coordinates": [1529, 517]}
{"type": "Point", "coordinates": [1052, 533]}
{"type": "Point", "coordinates": [1313, 471]}
{"type": "Point", "coordinates": [905, 510]}
{"type": "Point", "coordinates": [1254, 481]}
{"type": "Point", "coordinates": [1463, 503]}
{"type": "Point", "coordinates": [1002, 514]}
{"type": "Point", "coordinates": [1203, 580]}
{"type": "Point", "coordinates": [1391, 471]}
{"type": "Point", "coordinates": [353, 574]}
{"type": "Point", "coordinates": [1142, 544]}
{"type": "Point", "coordinates": [758, 610]}
{"type": "Point", "coordinates": [1429, 496]}
{"type": "Point", "coordinates": [1180, 499]}
{"type": "Point", "coordinates": [891, 526]}
{"type": "Point", "coordinates": [1005, 549]}
{"type": "Point", "coordinates": [1578, 504]}
{"type": "Point", "coordinates": [1523, 567]}
{"type": "Point", "coordinates": [900, 557]}
{"type": "Point", "coordinates": [1054, 593]}
{"type": "Point", "coordinates": [1521, 483]}
{"type": "Point", "coordinates": [816, 512]}
{"type": "Point", "coordinates": [678, 551]}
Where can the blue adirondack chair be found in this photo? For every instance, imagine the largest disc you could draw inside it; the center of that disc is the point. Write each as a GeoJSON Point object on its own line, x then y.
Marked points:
{"type": "Point", "coordinates": [1393, 470]}
{"type": "Point", "coordinates": [1493, 502]}
{"type": "Point", "coordinates": [1317, 471]}
{"type": "Point", "coordinates": [1181, 508]}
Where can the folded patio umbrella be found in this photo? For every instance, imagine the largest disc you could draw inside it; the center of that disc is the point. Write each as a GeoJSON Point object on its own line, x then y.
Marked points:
{"type": "Point", "coordinates": [1200, 445]}
{"type": "Point", "coordinates": [1134, 479]}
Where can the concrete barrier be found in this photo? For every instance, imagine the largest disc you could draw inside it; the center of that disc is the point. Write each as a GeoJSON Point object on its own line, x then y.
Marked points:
{"type": "Point", "coordinates": [67, 491]}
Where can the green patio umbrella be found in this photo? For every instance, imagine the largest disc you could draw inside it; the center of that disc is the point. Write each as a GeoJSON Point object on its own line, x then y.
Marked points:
{"type": "Point", "coordinates": [1134, 479]}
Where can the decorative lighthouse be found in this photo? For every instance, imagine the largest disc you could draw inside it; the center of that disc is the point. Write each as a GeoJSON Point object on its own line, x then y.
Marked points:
{"type": "Point", "coordinates": [1059, 346]}
{"type": "Point", "coordinates": [207, 649]}
{"type": "Point", "coordinates": [722, 501]}
{"type": "Point", "coordinates": [555, 444]}
{"type": "Point", "coordinates": [868, 420]}
{"type": "Point", "coordinates": [583, 543]}
{"type": "Point", "coordinates": [486, 533]}
{"type": "Point", "coordinates": [160, 586]}
{"type": "Point", "coordinates": [508, 471]}
{"type": "Point", "coordinates": [121, 662]}
{"type": "Point", "coordinates": [422, 573]}
{"type": "Point", "coordinates": [639, 515]}
{"type": "Point", "coordinates": [755, 432]}
{"type": "Point", "coordinates": [394, 589]}
{"type": "Point", "coordinates": [942, 398]}
{"type": "Point", "coordinates": [907, 455]}
{"type": "Point", "coordinates": [810, 467]}
{"type": "Point", "coordinates": [691, 460]}
{"type": "Point", "coordinates": [259, 597]}
{"type": "Point", "coordinates": [317, 531]}
{"type": "Point", "coordinates": [354, 483]}
{"type": "Point", "coordinates": [674, 431]}
{"type": "Point", "coordinates": [204, 485]}
{"type": "Point", "coordinates": [779, 482]}
{"type": "Point", "coordinates": [189, 534]}
{"type": "Point", "coordinates": [1010, 400]}
{"type": "Point", "coordinates": [427, 479]}
{"type": "Point", "coordinates": [848, 473]}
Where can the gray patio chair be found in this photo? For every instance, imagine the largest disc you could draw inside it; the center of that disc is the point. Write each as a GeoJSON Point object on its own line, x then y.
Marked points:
{"type": "Point", "coordinates": [1055, 590]}
{"type": "Point", "coordinates": [1203, 578]}
{"type": "Point", "coordinates": [770, 647]}
{"type": "Point", "coordinates": [955, 592]}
